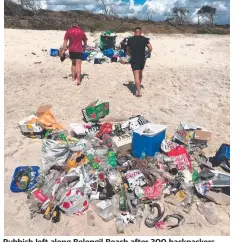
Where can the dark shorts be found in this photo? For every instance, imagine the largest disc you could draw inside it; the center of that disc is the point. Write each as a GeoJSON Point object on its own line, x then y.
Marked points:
{"type": "Point", "coordinates": [75, 55]}
{"type": "Point", "coordinates": [137, 65]}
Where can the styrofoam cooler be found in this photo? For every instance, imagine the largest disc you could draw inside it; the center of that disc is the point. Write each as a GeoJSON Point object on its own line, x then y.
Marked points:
{"type": "Point", "coordinates": [148, 143]}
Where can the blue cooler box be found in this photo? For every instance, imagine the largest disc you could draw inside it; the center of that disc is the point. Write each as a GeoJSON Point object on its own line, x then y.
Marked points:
{"type": "Point", "coordinates": [148, 143]}
{"type": "Point", "coordinates": [109, 52]}
{"type": "Point", "coordinates": [84, 56]}
{"type": "Point", "coordinates": [54, 52]}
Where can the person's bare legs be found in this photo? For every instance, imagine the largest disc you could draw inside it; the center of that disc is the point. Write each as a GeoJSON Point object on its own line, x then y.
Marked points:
{"type": "Point", "coordinates": [137, 82]}
{"type": "Point", "coordinates": [73, 69]}
{"type": "Point", "coordinates": [141, 76]}
{"type": "Point", "coordinates": [78, 66]}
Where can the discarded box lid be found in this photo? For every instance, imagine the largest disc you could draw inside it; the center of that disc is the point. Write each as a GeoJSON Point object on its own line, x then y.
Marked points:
{"type": "Point", "coordinates": [153, 128]}
{"type": "Point", "coordinates": [218, 198]}
{"type": "Point", "coordinates": [27, 128]}
{"type": "Point", "coordinates": [123, 143]}
{"type": "Point", "coordinates": [202, 135]}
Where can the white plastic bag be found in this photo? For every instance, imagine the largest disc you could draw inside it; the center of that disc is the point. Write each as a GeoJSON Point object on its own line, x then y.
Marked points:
{"type": "Point", "coordinates": [79, 129]}
{"type": "Point", "coordinates": [54, 153]}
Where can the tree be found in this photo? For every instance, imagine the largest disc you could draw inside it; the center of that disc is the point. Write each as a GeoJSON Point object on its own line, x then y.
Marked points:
{"type": "Point", "coordinates": [207, 14]}
{"type": "Point", "coordinates": [180, 15]}
{"type": "Point", "coordinates": [106, 9]}
{"type": "Point", "coordinates": [33, 5]}
{"type": "Point", "coordinates": [149, 15]}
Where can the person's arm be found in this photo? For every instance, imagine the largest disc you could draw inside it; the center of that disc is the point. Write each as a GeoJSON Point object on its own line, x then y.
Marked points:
{"type": "Point", "coordinates": [85, 39]}
{"type": "Point", "coordinates": [129, 52]}
{"type": "Point", "coordinates": [66, 38]}
{"type": "Point", "coordinates": [149, 46]}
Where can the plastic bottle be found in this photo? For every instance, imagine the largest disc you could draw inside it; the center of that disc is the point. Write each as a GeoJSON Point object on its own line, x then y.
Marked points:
{"type": "Point", "coordinates": [120, 226]}
{"type": "Point", "coordinates": [56, 215]}
{"type": "Point", "coordinates": [112, 159]}
{"type": "Point", "coordinates": [108, 190]}
{"type": "Point", "coordinates": [195, 175]}
{"type": "Point", "coordinates": [90, 218]}
{"type": "Point", "coordinates": [122, 202]}
{"type": "Point", "coordinates": [104, 209]}
{"type": "Point", "coordinates": [101, 151]}
{"type": "Point", "coordinates": [166, 175]}
{"type": "Point", "coordinates": [90, 157]}
{"type": "Point", "coordinates": [138, 222]}
{"type": "Point", "coordinates": [143, 155]}
{"type": "Point", "coordinates": [159, 157]}
{"type": "Point", "coordinates": [107, 140]}
{"type": "Point", "coordinates": [128, 199]}
{"type": "Point", "coordinates": [25, 179]}
{"type": "Point", "coordinates": [48, 212]}
{"type": "Point", "coordinates": [115, 205]}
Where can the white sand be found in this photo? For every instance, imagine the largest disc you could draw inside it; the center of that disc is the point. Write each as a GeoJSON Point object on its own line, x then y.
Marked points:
{"type": "Point", "coordinates": [182, 83]}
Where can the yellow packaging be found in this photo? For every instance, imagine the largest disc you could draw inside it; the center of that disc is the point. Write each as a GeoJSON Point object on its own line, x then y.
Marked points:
{"type": "Point", "coordinates": [71, 163]}
{"type": "Point", "coordinates": [25, 179]}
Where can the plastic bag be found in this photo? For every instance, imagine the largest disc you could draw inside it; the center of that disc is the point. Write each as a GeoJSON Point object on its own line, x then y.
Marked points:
{"type": "Point", "coordinates": [46, 119]}
{"type": "Point", "coordinates": [181, 158]}
{"type": "Point", "coordinates": [155, 191]}
{"type": "Point", "coordinates": [75, 202]}
{"type": "Point", "coordinates": [54, 152]}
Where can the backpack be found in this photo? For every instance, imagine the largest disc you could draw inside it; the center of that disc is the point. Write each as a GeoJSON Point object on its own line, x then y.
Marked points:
{"type": "Point", "coordinates": [222, 157]}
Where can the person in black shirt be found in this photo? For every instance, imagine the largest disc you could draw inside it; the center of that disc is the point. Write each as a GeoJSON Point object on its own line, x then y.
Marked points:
{"type": "Point", "coordinates": [136, 50]}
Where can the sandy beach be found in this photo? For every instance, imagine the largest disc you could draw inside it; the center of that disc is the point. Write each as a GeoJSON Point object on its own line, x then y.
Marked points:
{"type": "Point", "coordinates": [186, 79]}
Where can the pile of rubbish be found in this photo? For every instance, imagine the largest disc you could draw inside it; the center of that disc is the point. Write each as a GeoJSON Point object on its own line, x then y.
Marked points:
{"type": "Point", "coordinates": [126, 172]}
{"type": "Point", "coordinates": [104, 52]}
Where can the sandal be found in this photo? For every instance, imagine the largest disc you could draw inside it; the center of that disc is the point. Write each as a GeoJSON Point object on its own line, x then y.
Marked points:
{"type": "Point", "coordinates": [157, 212]}
{"type": "Point", "coordinates": [179, 217]}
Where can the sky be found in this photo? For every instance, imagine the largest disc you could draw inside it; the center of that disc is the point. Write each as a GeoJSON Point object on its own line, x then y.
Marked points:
{"type": "Point", "coordinates": [157, 9]}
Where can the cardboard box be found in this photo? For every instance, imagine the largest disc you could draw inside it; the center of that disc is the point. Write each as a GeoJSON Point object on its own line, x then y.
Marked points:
{"type": "Point", "coordinates": [202, 135]}
{"type": "Point", "coordinates": [42, 109]}
{"type": "Point", "coordinates": [27, 128]}
{"type": "Point", "coordinates": [184, 135]}
{"type": "Point", "coordinates": [123, 143]}
{"type": "Point", "coordinates": [188, 133]}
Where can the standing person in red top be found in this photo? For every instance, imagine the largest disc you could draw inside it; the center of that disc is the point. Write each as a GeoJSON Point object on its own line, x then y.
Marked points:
{"type": "Point", "coordinates": [76, 36]}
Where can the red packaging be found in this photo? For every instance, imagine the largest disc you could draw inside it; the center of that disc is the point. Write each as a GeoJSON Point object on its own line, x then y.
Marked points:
{"type": "Point", "coordinates": [153, 192]}
{"type": "Point", "coordinates": [106, 128]}
{"type": "Point", "coordinates": [181, 158]}
{"type": "Point", "coordinates": [40, 196]}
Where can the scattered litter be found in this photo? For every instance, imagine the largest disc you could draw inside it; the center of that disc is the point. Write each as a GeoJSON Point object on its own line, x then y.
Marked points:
{"type": "Point", "coordinates": [118, 168]}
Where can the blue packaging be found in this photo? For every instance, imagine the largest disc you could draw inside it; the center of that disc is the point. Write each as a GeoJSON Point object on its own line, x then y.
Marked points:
{"type": "Point", "coordinates": [149, 55]}
{"type": "Point", "coordinates": [121, 53]}
{"type": "Point", "coordinates": [84, 56]}
{"type": "Point", "coordinates": [33, 178]}
{"type": "Point", "coordinates": [54, 52]}
{"type": "Point", "coordinates": [109, 52]}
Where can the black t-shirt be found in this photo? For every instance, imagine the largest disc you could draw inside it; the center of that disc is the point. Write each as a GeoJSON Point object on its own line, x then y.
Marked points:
{"type": "Point", "coordinates": [137, 45]}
